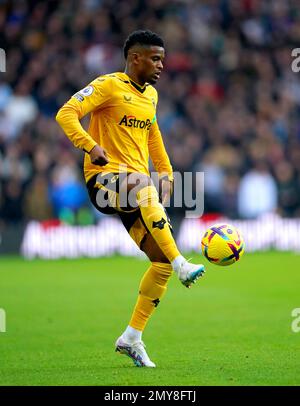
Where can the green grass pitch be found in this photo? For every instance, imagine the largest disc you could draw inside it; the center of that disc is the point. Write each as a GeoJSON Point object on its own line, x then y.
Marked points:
{"type": "Point", "coordinates": [232, 328]}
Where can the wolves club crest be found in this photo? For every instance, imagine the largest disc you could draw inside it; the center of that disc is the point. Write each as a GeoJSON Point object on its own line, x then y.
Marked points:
{"type": "Point", "coordinates": [159, 224]}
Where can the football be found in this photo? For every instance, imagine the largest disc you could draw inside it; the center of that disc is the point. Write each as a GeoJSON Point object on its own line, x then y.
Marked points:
{"type": "Point", "coordinates": [222, 244]}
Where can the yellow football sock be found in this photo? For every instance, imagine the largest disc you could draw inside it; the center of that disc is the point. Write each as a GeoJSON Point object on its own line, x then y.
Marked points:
{"type": "Point", "coordinates": [152, 287]}
{"type": "Point", "coordinates": [156, 221]}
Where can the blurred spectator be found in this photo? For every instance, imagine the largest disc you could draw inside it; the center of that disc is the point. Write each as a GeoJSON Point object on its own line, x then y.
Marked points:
{"type": "Point", "coordinates": [257, 193]}
{"type": "Point", "coordinates": [12, 204]}
{"type": "Point", "coordinates": [213, 183]}
{"type": "Point", "coordinates": [67, 193]}
{"type": "Point", "coordinates": [21, 108]}
{"type": "Point", "coordinates": [228, 200]}
{"type": "Point", "coordinates": [8, 129]}
{"type": "Point", "coordinates": [288, 189]}
{"type": "Point", "coordinates": [5, 93]}
{"type": "Point", "coordinates": [36, 200]}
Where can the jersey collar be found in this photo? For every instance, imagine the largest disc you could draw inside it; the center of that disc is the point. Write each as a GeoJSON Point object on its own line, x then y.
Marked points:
{"type": "Point", "coordinates": [138, 87]}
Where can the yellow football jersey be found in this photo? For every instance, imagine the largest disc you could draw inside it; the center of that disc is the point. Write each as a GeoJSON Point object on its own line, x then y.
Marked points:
{"type": "Point", "coordinates": [122, 121]}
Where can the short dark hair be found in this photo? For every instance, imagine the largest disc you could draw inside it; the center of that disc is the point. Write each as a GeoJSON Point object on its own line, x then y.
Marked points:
{"type": "Point", "coordinates": [141, 37]}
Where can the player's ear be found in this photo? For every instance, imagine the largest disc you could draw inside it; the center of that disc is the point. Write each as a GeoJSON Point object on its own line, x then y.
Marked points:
{"type": "Point", "coordinates": [136, 57]}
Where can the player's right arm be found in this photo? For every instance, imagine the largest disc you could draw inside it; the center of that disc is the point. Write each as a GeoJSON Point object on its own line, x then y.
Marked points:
{"type": "Point", "coordinates": [90, 98]}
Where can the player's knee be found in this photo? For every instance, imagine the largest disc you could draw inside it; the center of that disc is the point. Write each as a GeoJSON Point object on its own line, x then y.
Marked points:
{"type": "Point", "coordinates": [133, 185]}
{"type": "Point", "coordinates": [147, 196]}
{"type": "Point", "coordinates": [152, 250]}
{"type": "Point", "coordinates": [155, 254]}
{"type": "Point", "coordinates": [160, 257]}
{"type": "Point", "coordinates": [138, 181]}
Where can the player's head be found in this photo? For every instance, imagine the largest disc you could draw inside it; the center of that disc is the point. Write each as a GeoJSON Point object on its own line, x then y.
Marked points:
{"type": "Point", "coordinates": [144, 53]}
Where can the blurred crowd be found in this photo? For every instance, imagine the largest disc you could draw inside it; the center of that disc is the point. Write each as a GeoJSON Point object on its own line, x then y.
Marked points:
{"type": "Point", "coordinates": [229, 101]}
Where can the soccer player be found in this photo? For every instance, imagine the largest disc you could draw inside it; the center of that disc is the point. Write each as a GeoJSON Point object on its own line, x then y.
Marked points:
{"type": "Point", "coordinates": [123, 133]}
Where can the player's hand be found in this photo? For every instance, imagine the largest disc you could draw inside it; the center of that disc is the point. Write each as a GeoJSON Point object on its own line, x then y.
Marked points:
{"type": "Point", "coordinates": [166, 187]}
{"type": "Point", "coordinates": [98, 156]}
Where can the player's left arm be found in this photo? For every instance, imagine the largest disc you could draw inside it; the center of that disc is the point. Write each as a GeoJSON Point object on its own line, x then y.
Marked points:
{"type": "Point", "coordinates": [161, 162]}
